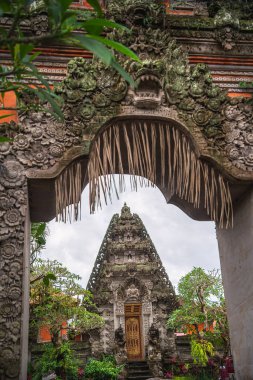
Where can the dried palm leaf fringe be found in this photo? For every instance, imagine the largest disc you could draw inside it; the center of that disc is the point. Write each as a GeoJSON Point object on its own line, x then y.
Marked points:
{"type": "Point", "coordinates": [68, 190]}
{"type": "Point", "coordinates": [156, 153]}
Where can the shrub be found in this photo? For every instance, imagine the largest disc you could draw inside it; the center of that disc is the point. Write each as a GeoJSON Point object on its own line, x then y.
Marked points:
{"type": "Point", "coordinates": [105, 369]}
{"type": "Point", "coordinates": [59, 360]}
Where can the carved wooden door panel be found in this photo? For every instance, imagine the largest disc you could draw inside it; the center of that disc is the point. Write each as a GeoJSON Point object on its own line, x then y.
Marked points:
{"type": "Point", "coordinates": [133, 332]}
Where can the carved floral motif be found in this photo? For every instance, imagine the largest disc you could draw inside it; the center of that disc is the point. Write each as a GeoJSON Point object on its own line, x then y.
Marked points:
{"type": "Point", "coordinates": [238, 133]}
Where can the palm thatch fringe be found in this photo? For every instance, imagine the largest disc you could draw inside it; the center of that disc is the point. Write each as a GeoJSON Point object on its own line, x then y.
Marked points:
{"type": "Point", "coordinates": [68, 190]}
{"type": "Point", "coordinates": [156, 153]}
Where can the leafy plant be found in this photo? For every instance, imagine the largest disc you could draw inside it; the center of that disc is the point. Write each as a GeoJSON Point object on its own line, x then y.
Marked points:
{"type": "Point", "coordinates": [200, 351]}
{"type": "Point", "coordinates": [203, 310]}
{"type": "Point", "coordinates": [59, 360]}
{"type": "Point", "coordinates": [62, 25]}
{"type": "Point", "coordinates": [60, 299]}
{"type": "Point", "coordinates": [105, 369]}
{"type": "Point", "coordinates": [39, 232]}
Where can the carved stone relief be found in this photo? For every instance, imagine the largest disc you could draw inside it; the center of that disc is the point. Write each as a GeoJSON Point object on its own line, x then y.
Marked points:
{"type": "Point", "coordinates": [227, 29]}
{"type": "Point", "coordinates": [13, 208]}
{"type": "Point", "coordinates": [238, 130]}
{"type": "Point", "coordinates": [164, 80]}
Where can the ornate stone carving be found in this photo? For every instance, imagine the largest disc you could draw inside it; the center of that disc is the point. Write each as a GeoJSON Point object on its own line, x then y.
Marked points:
{"type": "Point", "coordinates": [154, 351]}
{"type": "Point", "coordinates": [120, 343]}
{"type": "Point", "coordinates": [237, 128]}
{"type": "Point", "coordinates": [94, 94]}
{"type": "Point", "coordinates": [227, 26]}
{"type": "Point", "coordinates": [39, 24]}
{"type": "Point", "coordinates": [132, 293]}
{"type": "Point", "coordinates": [12, 213]}
{"type": "Point", "coordinates": [243, 9]}
{"type": "Point", "coordinates": [138, 12]}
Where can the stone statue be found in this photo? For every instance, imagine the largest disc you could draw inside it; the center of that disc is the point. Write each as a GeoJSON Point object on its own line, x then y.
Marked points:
{"type": "Point", "coordinates": [132, 292]}
{"type": "Point", "coordinates": [120, 346]}
{"type": "Point", "coordinates": [153, 335]}
{"type": "Point", "coordinates": [119, 337]}
{"type": "Point", "coordinates": [154, 351]}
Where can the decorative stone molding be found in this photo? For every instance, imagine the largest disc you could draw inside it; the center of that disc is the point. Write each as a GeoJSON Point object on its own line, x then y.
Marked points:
{"type": "Point", "coordinates": [227, 29]}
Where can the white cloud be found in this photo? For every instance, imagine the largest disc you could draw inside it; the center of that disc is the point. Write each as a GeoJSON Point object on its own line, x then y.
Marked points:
{"type": "Point", "coordinates": [180, 241]}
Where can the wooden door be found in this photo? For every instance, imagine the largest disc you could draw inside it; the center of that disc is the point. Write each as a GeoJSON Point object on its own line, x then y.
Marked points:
{"type": "Point", "coordinates": [133, 331]}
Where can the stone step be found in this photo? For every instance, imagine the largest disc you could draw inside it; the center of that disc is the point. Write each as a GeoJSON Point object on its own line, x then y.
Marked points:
{"type": "Point", "coordinates": [138, 370]}
{"type": "Point", "coordinates": [137, 362]}
{"type": "Point", "coordinates": [134, 374]}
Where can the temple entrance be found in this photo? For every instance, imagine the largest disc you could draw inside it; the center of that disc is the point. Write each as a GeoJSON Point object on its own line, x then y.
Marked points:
{"type": "Point", "coordinates": [133, 332]}
{"type": "Point", "coordinates": [176, 129]}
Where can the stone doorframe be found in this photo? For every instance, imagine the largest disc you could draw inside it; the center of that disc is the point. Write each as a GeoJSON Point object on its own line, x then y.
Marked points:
{"type": "Point", "coordinates": [45, 168]}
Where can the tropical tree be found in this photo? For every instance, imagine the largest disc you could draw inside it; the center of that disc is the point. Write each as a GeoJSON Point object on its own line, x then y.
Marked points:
{"type": "Point", "coordinates": [202, 313]}
{"type": "Point", "coordinates": [63, 23]}
{"type": "Point", "coordinates": [59, 302]}
{"type": "Point", "coordinates": [59, 299]}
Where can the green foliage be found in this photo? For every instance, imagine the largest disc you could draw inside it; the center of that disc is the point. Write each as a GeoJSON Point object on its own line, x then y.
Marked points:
{"type": "Point", "coordinates": [39, 233]}
{"type": "Point", "coordinates": [200, 351]}
{"type": "Point", "coordinates": [201, 296]}
{"type": "Point", "coordinates": [202, 302]}
{"type": "Point", "coordinates": [199, 286]}
{"type": "Point", "coordinates": [57, 297]}
{"type": "Point", "coordinates": [66, 281]}
{"type": "Point", "coordinates": [63, 22]}
{"type": "Point", "coordinates": [59, 360]}
{"type": "Point", "coordinates": [105, 369]}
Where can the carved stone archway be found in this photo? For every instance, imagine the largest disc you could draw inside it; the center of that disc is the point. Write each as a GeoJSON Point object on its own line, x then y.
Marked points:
{"type": "Point", "coordinates": [175, 111]}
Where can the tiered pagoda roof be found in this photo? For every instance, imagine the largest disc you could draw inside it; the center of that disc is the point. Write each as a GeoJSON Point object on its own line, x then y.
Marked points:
{"type": "Point", "coordinates": [126, 237]}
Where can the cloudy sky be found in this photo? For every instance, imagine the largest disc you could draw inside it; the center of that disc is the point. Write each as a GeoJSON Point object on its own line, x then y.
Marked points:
{"type": "Point", "coordinates": [181, 242]}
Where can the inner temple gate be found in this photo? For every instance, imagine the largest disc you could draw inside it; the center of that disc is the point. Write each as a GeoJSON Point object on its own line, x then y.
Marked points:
{"type": "Point", "coordinates": [178, 129]}
{"type": "Point", "coordinates": [134, 295]}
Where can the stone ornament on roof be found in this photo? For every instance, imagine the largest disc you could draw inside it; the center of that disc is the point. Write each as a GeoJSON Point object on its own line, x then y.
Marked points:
{"type": "Point", "coordinates": [125, 212]}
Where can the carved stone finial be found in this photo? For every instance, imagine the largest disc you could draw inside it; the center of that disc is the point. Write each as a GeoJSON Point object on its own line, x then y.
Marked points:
{"type": "Point", "coordinates": [125, 211]}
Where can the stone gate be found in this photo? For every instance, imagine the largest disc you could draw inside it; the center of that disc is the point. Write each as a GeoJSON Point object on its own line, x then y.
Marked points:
{"type": "Point", "coordinates": [177, 129]}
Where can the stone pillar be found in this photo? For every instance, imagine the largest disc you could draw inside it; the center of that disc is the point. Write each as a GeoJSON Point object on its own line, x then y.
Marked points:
{"type": "Point", "coordinates": [236, 256]}
{"type": "Point", "coordinates": [25, 299]}
{"type": "Point", "coordinates": [13, 214]}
